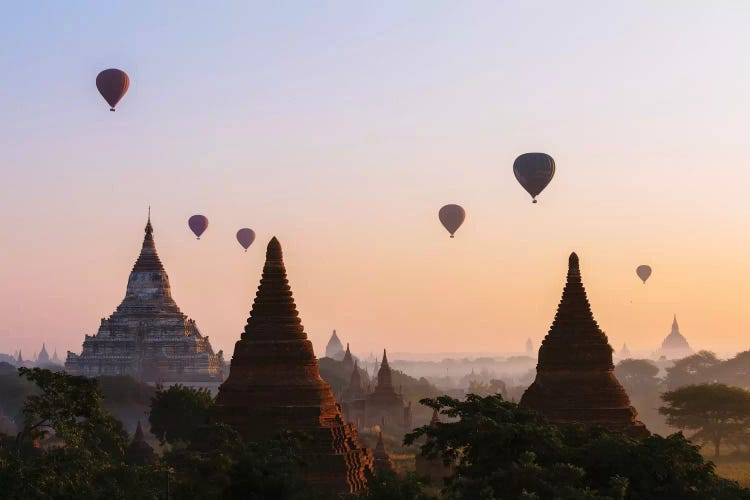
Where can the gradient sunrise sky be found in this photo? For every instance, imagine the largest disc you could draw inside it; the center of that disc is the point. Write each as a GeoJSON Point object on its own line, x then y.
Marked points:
{"type": "Point", "coordinates": [341, 128]}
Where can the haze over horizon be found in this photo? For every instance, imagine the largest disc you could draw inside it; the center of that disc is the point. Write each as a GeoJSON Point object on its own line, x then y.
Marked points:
{"type": "Point", "coordinates": [342, 130]}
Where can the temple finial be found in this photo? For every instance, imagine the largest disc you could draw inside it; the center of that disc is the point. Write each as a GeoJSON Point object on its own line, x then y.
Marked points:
{"type": "Point", "coordinates": [273, 251]}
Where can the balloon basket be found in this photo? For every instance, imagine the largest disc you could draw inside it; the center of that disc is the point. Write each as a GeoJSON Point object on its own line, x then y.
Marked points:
{"type": "Point", "coordinates": [111, 109]}
{"type": "Point", "coordinates": [534, 201]}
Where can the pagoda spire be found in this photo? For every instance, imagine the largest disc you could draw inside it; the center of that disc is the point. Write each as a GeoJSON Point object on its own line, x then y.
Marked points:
{"type": "Point", "coordinates": [148, 260]}
{"type": "Point", "coordinates": [675, 326]}
{"type": "Point", "coordinates": [274, 315]}
{"type": "Point", "coordinates": [575, 379]}
{"type": "Point", "coordinates": [138, 437]}
{"type": "Point", "coordinates": [274, 384]}
{"type": "Point", "coordinates": [348, 360]}
{"type": "Point", "coordinates": [385, 377]}
{"type": "Point", "coordinates": [382, 460]}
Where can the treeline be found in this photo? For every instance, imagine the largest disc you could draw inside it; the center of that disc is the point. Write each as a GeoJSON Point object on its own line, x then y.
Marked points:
{"type": "Point", "coordinates": [703, 395]}
{"type": "Point", "coordinates": [70, 446]}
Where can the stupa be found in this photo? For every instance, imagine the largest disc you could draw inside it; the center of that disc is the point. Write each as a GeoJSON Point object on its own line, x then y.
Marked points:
{"type": "Point", "coordinates": [139, 452]}
{"type": "Point", "coordinates": [148, 337]}
{"type": "Point", "coordinates": [43, 357]}
{"type": "Point", "coordinates": [575, 379]}
{"type": "Point", "coordinates": [675, 346]}
{"type": "Point", "coordinates": [382, 460]}
{"type": "Point", "coordinates": [274, 384]}
{"type": "Point", "coordinates": [334, 349]}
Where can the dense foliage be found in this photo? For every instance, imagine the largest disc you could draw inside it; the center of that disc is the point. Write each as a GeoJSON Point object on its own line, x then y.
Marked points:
{"type": "Point", "coordinates": [502, 450]}
{"type": "Point", "coordinates": [177, 412]}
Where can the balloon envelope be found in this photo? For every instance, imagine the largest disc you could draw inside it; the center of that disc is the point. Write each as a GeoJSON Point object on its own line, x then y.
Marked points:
{"type": "Point", "coordinates": [452, 216]}
{"type": "Point", "coordinates": [643, 272]}
{"type": "Point", "coordinates": [112, 84]}
{"type": "Point", "coordinates": [246, 236]}
{"type": "Point", "coordinates": [198, 224]}
{"type": "Point", "coordinates": [534, 171]}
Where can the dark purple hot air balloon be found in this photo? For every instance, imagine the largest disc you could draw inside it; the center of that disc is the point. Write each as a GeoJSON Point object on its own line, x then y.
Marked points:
{"type": "Point", "coordinates": [643, 272]}
{"type": "Point", "coordinates": [112, 84]}
{"type": "Point", "coordinates": [534, 171]}
{"type": "Point", "coordinates": [451, 217]}
{"type": "Point", "coordinates": [198, 225]}
{"type": "Point", "coordinates": [246, 236]}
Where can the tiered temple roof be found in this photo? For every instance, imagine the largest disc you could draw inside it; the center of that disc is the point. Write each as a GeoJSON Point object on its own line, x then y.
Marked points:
{"type": "Point", "coordinates": [575, 380]}
{"type": "Point", "coordinates": [274, 384]}
{"type": "Point", "coordinates": [147, 336]}
{"type": "Point", "coordinates": [675, 346]}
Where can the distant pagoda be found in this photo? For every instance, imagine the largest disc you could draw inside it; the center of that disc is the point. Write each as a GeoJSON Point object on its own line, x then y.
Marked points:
{"type": "Point", "coordinates": [382, 461]}
{"type": "Point", "coordinates": [334, 349]}
{"type": "Point", "coordinates": [675, 346]}
{"type": "Point", "coordinates": [348, 360]}
{"type": "Point", "coordinates": [382, 406]}
{"type": "Point", "coordinates": [148, 337]}
{"type": "Point", "coordinates": [274, 384]}
{"type": "Point", "coordinates": [43, 357]}
{"type": "Point", "coordinates": [139, 452]}
{"type": "Point", "coordinates": [575, 380]}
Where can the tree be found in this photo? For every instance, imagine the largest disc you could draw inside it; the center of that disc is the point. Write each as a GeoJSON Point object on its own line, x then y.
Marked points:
{"type": "Point", "coordinates": [502, 450]}
{"type": "Point", "coordinates": [177, 412]}
{"type": "Point", "coordinates": [717, 411]}
{"type": "Point", "coordinates": [696, 369]}
{"type": "Point", "coordinates": [70, 408]}
{"type": "Point", "coordinates": [86, 459]}
{"type": "Point", "coordinates": [637, 374]}
{"type": "Point", "coordinates": [387, 485]}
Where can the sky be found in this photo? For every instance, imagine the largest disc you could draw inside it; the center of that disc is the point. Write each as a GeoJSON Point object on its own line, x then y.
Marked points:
{"type": "Point", "coordinates": [342, 128]}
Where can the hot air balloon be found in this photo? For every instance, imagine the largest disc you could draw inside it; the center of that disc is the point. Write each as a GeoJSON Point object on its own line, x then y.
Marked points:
{"type": "Point", "coordinates": [198, 225]}
{"type": "Point", "coordinates": [643, 272]}
{"type": "Point", "coordinates": [451, 217]}
{"type": "Point", "coordinates": [534, 171]}
{"type": "Point", "coordinates": [112, 84]}
{"type": "Point", "coordinates": [246, 236]}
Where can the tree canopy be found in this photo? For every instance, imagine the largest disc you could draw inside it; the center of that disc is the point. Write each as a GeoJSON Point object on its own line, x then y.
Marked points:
{"type": "Point", "coordinates": [502, 450]}
{"type": "Point", "coordinates": [177, 412]}
{"type": "Point", "coordinates": [716, 411]}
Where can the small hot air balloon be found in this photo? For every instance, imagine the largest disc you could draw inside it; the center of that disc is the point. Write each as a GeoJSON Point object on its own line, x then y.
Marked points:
{"type": "Point", "coordinates": [534, 171]}
{"type": "Point", "coordinates": [112, 84]}
{"type": "Point", "coordinates": [451, 217]}
{"type": "Point", "coordinates": [246, 236]}
{"type": "Point", "coordinates": [643, 272]}
{"type": "Point", "coordinates": [198, 225]}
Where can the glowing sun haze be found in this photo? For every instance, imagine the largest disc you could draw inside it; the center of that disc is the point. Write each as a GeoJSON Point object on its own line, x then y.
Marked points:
{"type": "Point", "coordinates": [342, 129]}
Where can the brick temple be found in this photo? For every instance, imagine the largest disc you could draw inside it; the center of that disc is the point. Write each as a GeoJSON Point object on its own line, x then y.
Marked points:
{"type": "Point", "coordinates": [381, 406]}
{"type": "Point", "coordinates": [147, 336]}
{"type": "Point", "coordinates": [575, 378]}
{"type": "Point", "coordinates": [274, 384]}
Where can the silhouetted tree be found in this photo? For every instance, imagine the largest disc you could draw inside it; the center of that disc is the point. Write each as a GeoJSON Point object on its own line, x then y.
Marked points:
{"type": "Point", "coordinates": [717, 411]}
{"type": "Point", "coordinates": [177, 412]}
{"type": "Point", "coordinates": [695, 369]}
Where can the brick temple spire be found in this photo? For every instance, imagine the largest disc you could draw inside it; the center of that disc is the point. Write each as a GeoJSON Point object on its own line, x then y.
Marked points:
{"type": "Point", "coordinates": [382, 460]}
{"type": "Point", "coordinates": [575, 379]}
{"type": "Point", "coordinates": [148, 260]}
{"type": "Point", "coordinates": [385, 377]}
{"type": "Point", "coordinates": [274, 384]}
